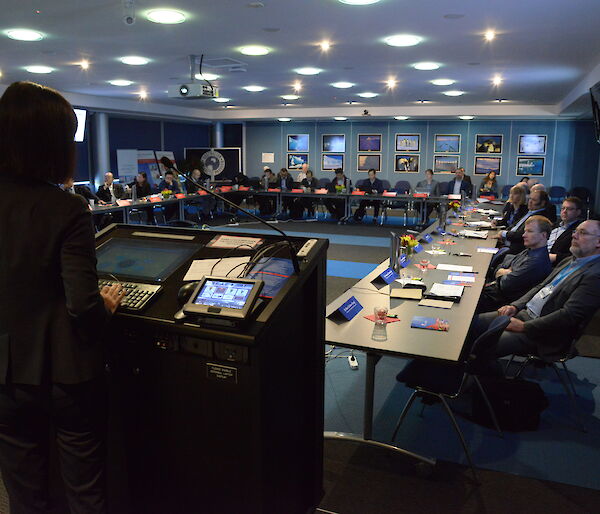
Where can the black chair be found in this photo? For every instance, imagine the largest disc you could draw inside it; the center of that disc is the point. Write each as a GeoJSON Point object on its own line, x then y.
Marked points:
{"type": "Point", "coordinates": [443, 380]}
{"type": "Point", "coordinates": [505, 192]}
{"type": "Point", "coordinates": [557, 194]}
{"type": "Point", "coordinates": [444, 188]}
{"type": "Point", "coordinates": [534, 360]}
{"type": "Point", "coordinates": [585, 195]}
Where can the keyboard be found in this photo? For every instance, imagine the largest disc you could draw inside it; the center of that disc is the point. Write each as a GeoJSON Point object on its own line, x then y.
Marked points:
{"type": "Point", "coordinates": [138, 295]}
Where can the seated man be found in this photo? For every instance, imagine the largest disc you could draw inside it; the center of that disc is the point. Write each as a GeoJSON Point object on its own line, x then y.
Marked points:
{"type": "Point", "coordinates": [550, 209]}
{"type": "Point", "coordinates": [517, 274]}
{"type": "Point", "coordinates": [460, 184]}
{"type": "Point", "coordinates": [110, 191]}
{"type": "Point", "coordinates": [81, 190]}
{"type": "Point", "coordinates": [546, 320]}
{"type": "Point", "coordinates": [266, 204]}
{"type": "Point", "coordinates": [285, 182]}
{"type": "Point", "coordinates": [339, 184]}
{"type": "Point", "coordinates": [169, 183]}
{"type": "Point", "coordinates": [559, 241]}
{"type": "Point", "coordinates": [371, 186]}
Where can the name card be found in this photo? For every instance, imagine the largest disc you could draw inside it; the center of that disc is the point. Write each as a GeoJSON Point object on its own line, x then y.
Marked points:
{"type": "Point", "coordinates": [123, 203]}
{"type": "Point", "coordinates": [155, 199]}
{"type": "Point", "coordinates": [358, 193]}
{"type": "Point", "coordinates": [243, 188]}
{"type": "Point", "coordinates": [203, 193]}
{"type": "Point", "coordinates": [274, 190]}
{"type": "Point", "coordinates": [388, 276]}
{"type": "Point", "coordinates": [403, 261]}
{"type": "Point", "coordinates": [420, 195]}
{"type": "Point", "coordinates": [350, 308]}
{"type": "Point", "coordinates": [225, 189]}
{"type": "Point", "coordinates": [454, 197]}
{"type": "Point", "coordinates": [427, 238]}
{"type": "Point", "coordinates": [389, 193]}
{"type": "Point", "coordinates": [297, 190]}
{"type": "Point", "coordinates": [322, 191]}
{"type": "Point", "coordinates": [179, 195]}
{"type": "Point", "coordinates": [418, 248]}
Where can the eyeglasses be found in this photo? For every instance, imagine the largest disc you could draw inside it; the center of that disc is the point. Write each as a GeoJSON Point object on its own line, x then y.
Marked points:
{"type": "Point", "coordinates": [580, 232]}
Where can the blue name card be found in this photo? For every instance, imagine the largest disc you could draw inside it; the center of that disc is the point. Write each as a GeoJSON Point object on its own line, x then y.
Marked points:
{"type": "Point", "coordinates": [350, 308]}
{"type": "Point", "coordinates": [403, 261]}
{"type": "Point", "coordinates": [389, 275]}
{"type": "Point", "coordinates": [427, 238]}
{"type": "Point", "coordinates": [418, 248]}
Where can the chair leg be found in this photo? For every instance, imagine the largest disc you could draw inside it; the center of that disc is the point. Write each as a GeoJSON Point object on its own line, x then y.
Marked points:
{"type": "Point", "coordinates": [574, 407]}
{"type": "Point", "coordinates": [522, 367]}
{"type": "Point", "coordinates": [564, 365]}
{"type": "Point", "coordinates": [460, 435]}
{"type": "Point", "coordinates": [489, 405]}
{"type": "Point", "coordinates": [512, 358]}
{"type": "Point", "coordinates": [403, 414]}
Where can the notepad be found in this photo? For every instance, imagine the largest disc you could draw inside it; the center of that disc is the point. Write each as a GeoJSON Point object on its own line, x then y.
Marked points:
{"type": "Point", "coordinates": [447, 291]}
{"type": "Point", "coordinates": [455, 267]}
{"type": "Point", "coordinates": [406, 294]}
{"type": "Point", "coordinates": [487, 250]}
{"type": "Point", "coordinates": [477, 235]}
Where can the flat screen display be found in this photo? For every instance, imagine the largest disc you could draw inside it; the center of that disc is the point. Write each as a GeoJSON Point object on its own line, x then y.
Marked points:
{"type": "Point", "coordinates": [145, 260]}
{"type": "Point", "coordinates": [81, 115]}
{"type": "Point", "coordinates": [334, 143]}
{"type": "Point", "coordinates": [223, 293]}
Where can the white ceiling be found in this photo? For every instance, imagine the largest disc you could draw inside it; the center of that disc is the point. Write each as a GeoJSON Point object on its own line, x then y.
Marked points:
{"type": "Point", "coordinates": [547, 51]}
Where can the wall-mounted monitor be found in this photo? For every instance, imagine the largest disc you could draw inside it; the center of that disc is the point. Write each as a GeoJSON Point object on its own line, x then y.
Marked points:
{"type": "Point", "coordinates": [334, 143]}
{"type": "Point", "coordinates": [81, 115]}
{"type": "Point", "coordinates": [488, 143]}
{"type": "Point", "coordinates": [298, 143]}
{"type": "Point", "coordinates": [485, 165]}
{"type": "Point", "coordinates": [530, 166]}
{"type": "Point", "coordinates": [447, 143]}
{"type": "Point", "coordinates": [332, 161]}
{"type": "Point", "coordinates": [532, 144]}
{"type": "Point", "coordinates": [296, 160]}
{"type": "Point", "coordinates": [366, 162]}
{"type": "Point", "coordinates": [408, 142]}
{"type": "Point", "coordinates": [406, 163]}
{"type": "Point", "coordinates": [369, 142]}
{"type": "Point", "coordinates": [445, 163]}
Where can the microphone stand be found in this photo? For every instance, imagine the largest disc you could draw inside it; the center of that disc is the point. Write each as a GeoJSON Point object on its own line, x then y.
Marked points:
{"type": "Point", "coordinates": [293, 256]}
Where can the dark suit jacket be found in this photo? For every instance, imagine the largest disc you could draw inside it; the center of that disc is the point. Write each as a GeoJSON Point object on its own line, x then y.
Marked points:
{"type": "Point", "coordinates": [563, 243]}
{"type": "Point", "coordinates": [514, 235]}
{"type": "Point", "coordinates": [174, 187]}
{"type": "Point", "coordinates": [104, 192]}
{"type": "Point", "coordinates": [86, 192]}
{"type": "Point", "coordinates": [366, 186]}
{"type": "Point", "coordinates": [312, 183]}
{"type": "Point", "coordinates": [289, 181]}
{"type": "Point", "coordinates": [50, 307]}
{"type": "Point", "coordinates": [465, 186]}
{"type": "Point", "coordinates": [566, 312]}
{"type": "Point", "coordinates": [508, 212]}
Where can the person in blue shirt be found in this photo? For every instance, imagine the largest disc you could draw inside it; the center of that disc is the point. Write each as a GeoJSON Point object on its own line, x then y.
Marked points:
{"type": "Point", "coordinates": [372, 186]}
{"type": "Point", "coordinates": [169, 183]}
{"type": "Point", "coordinates": [518, 273]}
{"type": "Point", "coordinates": [549, 317]}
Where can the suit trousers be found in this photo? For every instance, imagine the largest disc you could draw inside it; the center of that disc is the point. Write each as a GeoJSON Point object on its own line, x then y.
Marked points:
{"type": "Point", "coordinates": [78, 414]}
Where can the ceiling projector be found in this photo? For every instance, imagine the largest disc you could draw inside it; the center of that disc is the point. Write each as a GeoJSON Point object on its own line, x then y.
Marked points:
{"type": "Point", "coordinates": [194, 90]}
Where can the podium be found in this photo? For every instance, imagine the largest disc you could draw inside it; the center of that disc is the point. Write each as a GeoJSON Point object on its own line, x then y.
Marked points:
{"type": "Point", "coordinates": [211, 419]}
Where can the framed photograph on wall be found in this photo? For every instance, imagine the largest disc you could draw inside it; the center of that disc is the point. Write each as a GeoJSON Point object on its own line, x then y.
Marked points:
{"type": "Point", "coordinates": [365, 162]}
{"type": "Point", "coordinates": [406, 163]}
{"type": "Point", "coordinates": [332, 161]}
{"type": "Point", "coordinates": [446, 143]}
{"type": "Point", "coordinates": [485, 143]}
{"type": "Point", "coordinates": [532, 144]}
{"type": "Point", "coordinates": [369, 142]}
{"type": "Point", "coordinates": [333, 143]}
{"type": "Point", "coordinates": [408, 142]}
{"type": "Point", "coordinates": [484, 165]}
{"type": "Point", "coordinates": [445, 163]}
{"type": "Point", "coordinates": [296, 160]}
{"type": "Point", "coordinates": [530, 166]}
{"type": "Point", "coordinates": [297, 142]}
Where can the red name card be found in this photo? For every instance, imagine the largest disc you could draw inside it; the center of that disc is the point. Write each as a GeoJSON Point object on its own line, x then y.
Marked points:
{"type": "Point", "coordinates": [225, 189]}
{"type": "Point", "coordinates": [321, 191]}
{"type": "Point", "coordinates": [123, 203]}
{"type": "Point", "coordinates": [297, 190]}
{"type": "Point", "coordinates": [155, 199]}
{"type": "Point", "coordinates": [203, 193]}
{"type": "Point", "coordinates": [243, 188]}
{"type": "Point", "coordinates": [179, 195]}
{"type": "Point", "coordinates": [358, 193]}
{"type": "Point", "coordinates": [420, 195]}
{"type": "Point", "coordinates": [274, 190]}
{"type": "Point", "coordinates": [389, 193]}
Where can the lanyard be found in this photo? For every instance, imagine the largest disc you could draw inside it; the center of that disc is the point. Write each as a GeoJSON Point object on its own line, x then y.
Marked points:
{"type": "Point", "coordinates": [566, 272]}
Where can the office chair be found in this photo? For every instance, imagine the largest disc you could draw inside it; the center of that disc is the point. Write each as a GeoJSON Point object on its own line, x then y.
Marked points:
{"type": "Point", "coordinates": [557, 194]}
{"type": "Point", "coordinates": [443, 380]}
{"type": "Point", "coordinates": [505, 192]}
{"type": "Point", "coordinates": [444, 188]}
{"type": "Point", "coordinates": [567, 384]}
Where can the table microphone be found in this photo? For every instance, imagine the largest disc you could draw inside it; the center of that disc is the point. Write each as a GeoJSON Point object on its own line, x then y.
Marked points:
{"type": "Point", "coordinates": [166, 162]}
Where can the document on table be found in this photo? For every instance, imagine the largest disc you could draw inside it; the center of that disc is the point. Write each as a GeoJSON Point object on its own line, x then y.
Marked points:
{"type": "Point", "coordinates": [487, 250]}
{"type": "Point", "coordinates": [455, 267]}
{"type": "Point", "coordinates": [435, 252]}
{"type": "Point", "coordinates": [440, 304]}
{"type": "Point", "coordinates": [461, 277]}
{"type": "Point", "coordinates": [472, 233]}
{"type": "Point", "coordinates": [489, 212]}
{"type": "Point", "coordinates": [482, 224]}
{"type": "Point", "coordinates": [218, 267]}
{"type": "Point", "coordinates": [446, 290]}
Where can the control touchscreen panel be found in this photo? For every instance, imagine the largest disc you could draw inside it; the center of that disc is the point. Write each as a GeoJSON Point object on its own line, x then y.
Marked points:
{"type": "Point", "coordinates": [221, 293]}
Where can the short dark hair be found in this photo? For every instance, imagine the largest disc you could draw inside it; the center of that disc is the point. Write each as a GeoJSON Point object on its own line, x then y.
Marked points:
{"type": "Point", "coordinates": [37, 133]}
{"type": "Point", "coordinates": [282, 169]}
{"type": "Point", "coordinates": [429, 170]}
{"type": "Point", "coordinates": [339, 170]}
{"type": "Point", "coordinates": [372, 170]}
{"type": "Point", "coordinates": [268, 170]}
{"type": "Point", "coordinates": [574, 200]}
{"type": "Point", "coordinates": [543, 223]}
{"type": "Point", "coordinates": [544, 196]}
{"type": "Point", "coordinates": [169, 172]}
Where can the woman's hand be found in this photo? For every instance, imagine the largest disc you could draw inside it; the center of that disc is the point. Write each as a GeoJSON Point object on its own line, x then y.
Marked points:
{"type": "Point", "coordinates": [112, 296]}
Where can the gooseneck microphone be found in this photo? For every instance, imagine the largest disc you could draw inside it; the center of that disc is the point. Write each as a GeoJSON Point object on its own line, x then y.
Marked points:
{"type": "Point", "coordinates": [166, 162]}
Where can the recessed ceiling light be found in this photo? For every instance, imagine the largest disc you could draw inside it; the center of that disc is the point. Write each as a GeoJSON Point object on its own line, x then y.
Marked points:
{"type": "Point", "coordinates": [453, 92]}
{"type": "Point", "coordinates": [143, 94]}
{"type": "Point", "coordinates": [254, 89]}
{"type": "Point", "coordinates": [391, 83]}
{"type": "Point", "coordinates": [500, 100]}
{"type": "Point", "coordinates": [340, 118]}
{"type": "Point", "coordinates": [443, 82]}
{"type": "Point", "coordinates": [368, 94]}
{"type": "Point", "coordinates": [403, 40]}
{"type": "Point", "coordinates": [359, 2]}
{"type": "Point", "coordinates": [284, 119]}
{"type": "Point", "coordinates": [229, 106]}
{"type": "Point", "coordinates": [426, 66]}
{"type": "Point", "coordinates": [401, 118]}
{"type": "Point", "coordinates": [342, 85]}
{"type": "Point", "coordinates": [221, 99]}
{"type": "Point", "coordinates": [85, 64]}
{"type": "Point", "coordinates": [134, 60]}
{"type": "Point", "coordinates": [325, 45]}
{"type": "Point", "coordinates": [166, 16]}
{"type": "Point", "coordinates": [308, 71]}
{"type": "Point", "coordinates": [39, 69]}
{"type": "Point", "coordinates": [24, 34]}
{"type": "Point", "coordinates": [206, 76]}
{"type": "Point", "coordinates": [466, 118]}
{"type": "Point", "coordinates": [297, 86]}
{"type": "Point", "coordinates": [254, 50]}
{"type": "Point", "coordinates": [490, 35]}
{"type": "Point", "coordinates": [120, 82]}
{"type": "Point", "coordinates": [497, 80]}
{"type": "Point", "coordinates": [290, 97]}
{"type": "Point", "coordinates": [423, 102]}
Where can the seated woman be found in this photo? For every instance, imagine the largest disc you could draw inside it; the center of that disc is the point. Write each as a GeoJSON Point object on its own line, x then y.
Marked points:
{"type": "Point", "coordinates": [515, 208]}
{"type": "Point", "coordinates": [488, 186]}
{"type": "Point", "coordinates": [429, 185]}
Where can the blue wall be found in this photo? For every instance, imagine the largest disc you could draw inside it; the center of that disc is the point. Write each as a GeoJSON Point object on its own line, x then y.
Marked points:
{"type": "Point", "coordinates": [571, 157]}
{"type": "Point", "coordinates": [178, 136]}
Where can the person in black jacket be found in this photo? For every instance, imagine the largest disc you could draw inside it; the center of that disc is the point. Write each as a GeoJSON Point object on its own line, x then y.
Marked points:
{"type": "Point", "coordinates": [51, 312]}
{"type": "Point", "coordinates": [110, 191]}
{"type": "Point", "coordinates": [285, 182]}
{"type": "Point", "coordinates": [309, 184]}
{"type": "Point", "coordinates": [560, 237]}
{"type": "Point", "coordinates": [372, 186]}
{"type": "Point", "coordinates": [339, 184]}
{"type": "Point", "coordinates": [514, 209]}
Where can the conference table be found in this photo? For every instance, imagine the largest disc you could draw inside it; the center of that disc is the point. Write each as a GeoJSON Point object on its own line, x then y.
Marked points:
{"type": "Point", "coordinates": [126, 206]}
{"type": "Point", "coordinates": [402, 340]}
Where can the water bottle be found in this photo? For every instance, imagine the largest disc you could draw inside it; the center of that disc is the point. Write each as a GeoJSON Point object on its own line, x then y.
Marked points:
{"type": "Point", "coordinates": [134, 193]}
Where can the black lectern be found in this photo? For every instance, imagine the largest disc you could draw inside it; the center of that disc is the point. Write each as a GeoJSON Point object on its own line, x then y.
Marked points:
{"type": "Point", "coordinates": [208, 418]}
